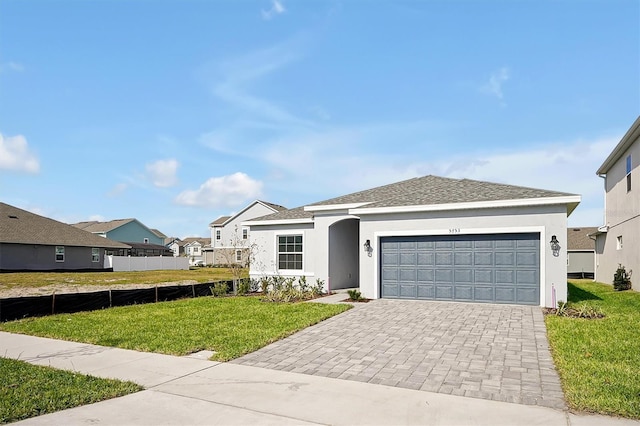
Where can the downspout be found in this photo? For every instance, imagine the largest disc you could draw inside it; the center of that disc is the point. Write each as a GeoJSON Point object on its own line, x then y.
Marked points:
{"type": "Point", "coordinates": [595, 263]}
{"type": "Point", "coordinates": [604, 222]}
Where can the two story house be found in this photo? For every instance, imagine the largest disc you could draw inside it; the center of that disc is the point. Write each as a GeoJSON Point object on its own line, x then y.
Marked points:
{"type": "Point", "coordinates": [617, 241]}
{"type": "Point", "coordinates": [230, 241]}
{"type": "Point", "coordinates": [142, 241]}
{"type": "Point", "coordinates": [193, 248]}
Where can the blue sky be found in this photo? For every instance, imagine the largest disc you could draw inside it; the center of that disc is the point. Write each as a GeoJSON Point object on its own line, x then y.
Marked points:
{"type": "Point", "coordinates": [178, 112]}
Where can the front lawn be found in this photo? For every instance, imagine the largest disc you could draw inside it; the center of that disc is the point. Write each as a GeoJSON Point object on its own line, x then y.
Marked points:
{"type": "Point", "coordinates": [31, 390]}
{"type": "Point", "coordinates": [599, 359]}
{"type": "Point", "coordinates": [230, 326]}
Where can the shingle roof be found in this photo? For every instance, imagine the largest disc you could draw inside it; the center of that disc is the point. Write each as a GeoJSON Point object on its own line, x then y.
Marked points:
{"type": "Point", "coordinates": [220, 221]}
{"type": "Point", "coordinates": [577, 238]}
{"type": "Point", "coordinates": [426, 190]}
{"type": "Point", "coordinates": [101, 227]}
{"type": "Point", "coordinates": [202, 241]}
{"type": "Point", "coordinates": [22, 227]}
{"type": "Point", "coordinates": [276, 207]}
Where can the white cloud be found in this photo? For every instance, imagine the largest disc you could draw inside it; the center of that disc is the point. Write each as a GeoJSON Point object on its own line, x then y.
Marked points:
{"type": "Point", "coordinates": [15, 155]}
{"type": "Point", "coordinates": [163, 172]}
{"type": "Point", "coordinates": [118, 189]}
{"type": "Point", "coordinates": [277, 8]}
{"type": "Point", "coordinates": [224, 191]}
{"type": "Point", "coordinates": [494, 86]}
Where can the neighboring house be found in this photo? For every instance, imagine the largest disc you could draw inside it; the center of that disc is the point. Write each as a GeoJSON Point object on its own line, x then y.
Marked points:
{"type": "Point", "coordinates": [230, 241]}
{"type": "Point", "coordinates": [123, 230]}
{"type": "Point", "coordinates": [581, 256]}
{"type": "Point", "coordinates": [426, 238]}
{"type": "Point", "coordinates": [175, 245]}
{"type": "Point", "coordinates": [617, 241]}
{"type": "Point", "coordinates": [29, 242]}
{"type": "Point", "coordinates": [141, 250]}
{"type": "Point", "coordinates": [165, 240]}
{"type": "Point", "coordinates": [193, 249]}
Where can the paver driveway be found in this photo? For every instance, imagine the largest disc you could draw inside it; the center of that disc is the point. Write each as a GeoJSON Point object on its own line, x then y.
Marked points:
{"type": "Point", "coordinates": [486, 351]}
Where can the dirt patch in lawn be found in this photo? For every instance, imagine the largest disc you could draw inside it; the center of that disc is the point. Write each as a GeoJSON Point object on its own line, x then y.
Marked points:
{"type": "Point", "coordinates": [6, 293]}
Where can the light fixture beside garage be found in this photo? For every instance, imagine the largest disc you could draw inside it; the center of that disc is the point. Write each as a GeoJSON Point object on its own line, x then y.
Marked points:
{"type": "Point", "coordinates": [367, 248]}
{"type": "Point", "coordinates": [555, 246]}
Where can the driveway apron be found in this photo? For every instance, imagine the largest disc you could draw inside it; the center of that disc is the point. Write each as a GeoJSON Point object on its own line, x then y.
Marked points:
{"type": "Point", "coordinates": [497, 352]}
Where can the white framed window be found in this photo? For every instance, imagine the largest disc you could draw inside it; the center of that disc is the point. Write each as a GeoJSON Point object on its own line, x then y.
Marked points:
{"type": "Point", "coordinates": [619, 242]}
{"type": "Point", "coordinates": [629, 173]}
{"type": "Point", "coordinates": [95, 254]}
{"type": "Point", "coordinates": [245, 233]}
{"type": "Point", "coordinates": [238, 255]}
{"type": "Point", "coordinates": [217, 234]}
{"type": "Point", "coordinates": [59, 253]}
{"type": "Point", "coordinates": [146, 241]}
{"type": "Point", "coordinates": [290, 252]}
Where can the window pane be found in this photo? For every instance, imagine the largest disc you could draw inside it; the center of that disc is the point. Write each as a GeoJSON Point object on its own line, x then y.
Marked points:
{"type": "Point", "coordinates": [298, 239]}
{"type": "Point", "coordinates": [298, 248]}
{"type": "Point", "coordinates": [629, 164]}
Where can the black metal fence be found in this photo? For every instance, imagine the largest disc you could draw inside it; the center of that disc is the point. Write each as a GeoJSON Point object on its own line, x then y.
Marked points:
{"type": "Point", "coordinates": [35, 306]}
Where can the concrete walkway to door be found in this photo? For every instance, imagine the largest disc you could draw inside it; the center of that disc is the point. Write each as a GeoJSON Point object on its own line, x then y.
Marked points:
{"type": "Point", "coordinates": [497, 352]}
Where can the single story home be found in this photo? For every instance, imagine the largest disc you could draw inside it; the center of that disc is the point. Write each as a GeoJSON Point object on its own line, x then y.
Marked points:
{"type": "Point", "coordinates": [430, 237]}
{"type": "Point", "coordinates": [581, 252]}
{"type": "Point", "coordinates": [29, 242]}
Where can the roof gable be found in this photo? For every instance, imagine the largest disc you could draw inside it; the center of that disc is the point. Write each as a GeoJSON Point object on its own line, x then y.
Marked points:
{"type": "Point", "coordinates": [19, 226]}
{"type": "Point", "coordinates": [632, 136]}
{"type": "Point", "coordinates": [223, 220]}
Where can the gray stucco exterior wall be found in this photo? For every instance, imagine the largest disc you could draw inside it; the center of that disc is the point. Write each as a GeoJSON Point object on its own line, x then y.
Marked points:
{"type": "Point", "coordinates": [19, 257]}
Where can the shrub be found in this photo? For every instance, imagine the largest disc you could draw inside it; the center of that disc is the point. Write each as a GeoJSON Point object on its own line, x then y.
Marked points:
{"type": "Point", "coordinates": [219, 288]}
{"type": "Point", "coordinates": [244, 286]}
{"type": "Point", "coordinates": [318, 289]}
{"type": "Point", "coordinates": [622, 279]}
{"type": "Point", "coordinates": [354, 295]}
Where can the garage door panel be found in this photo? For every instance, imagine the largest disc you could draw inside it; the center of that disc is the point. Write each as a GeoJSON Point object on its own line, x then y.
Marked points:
{"type": "Point", "coordinates": [426, 291]}
{"type": "Point", "coordinates": [407, 258]}
{"type": "Point", "coordinates": [464, 258]}
{"type": "Point", "coordinates": [483, 294]}
{"type": "Point", "coordinates": [425, 259]}
{"type": "Point", "coordinates": [505, 277]}
{"type": "Point", "coordinates": [505, 258]}
{"type": "Point", "coordinates": [444, 275]}
{"type": "Point", "coordinates": [527, 295]}
{"type": "Point", "coordinates": [408, 290]}
{"type": "Point", "coordinates": [389, 274]}
{"type": "Point", "coordinates": [463, 276]}
{"type": "Point", "coordinates": [390, 259]}
{"type": "Point", "coordinates": [444, 258]}
{"type": "Point", "coordinates": [444, 292]}
{"type": "Point", "coordinates": [505, 294]}
{"type": "Point", "coordinates": [483, 276]}
{"type": "Point", "coordinates": [463, 292]}
{"type": "Point", "coordinates": [527, 259]}
{"type": "Point", "coordinates": [426, 275]}
{"type": "Point", "coordinates": [408, 275]}
{"type": "Point", "coordinates": [502, 268]}
{"type": "Point", "coordinates": [527, 278]}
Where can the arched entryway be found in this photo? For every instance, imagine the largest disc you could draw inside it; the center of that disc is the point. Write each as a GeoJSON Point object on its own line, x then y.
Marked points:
{"type": "Point", "coordinates": [344, 254]}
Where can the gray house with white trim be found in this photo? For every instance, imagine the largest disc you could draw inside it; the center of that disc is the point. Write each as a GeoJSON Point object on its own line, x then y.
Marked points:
{"type": "Point", "coordinates": [430, 238]}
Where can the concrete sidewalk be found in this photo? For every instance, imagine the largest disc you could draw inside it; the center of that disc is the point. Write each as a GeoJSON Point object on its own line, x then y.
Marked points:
{"type": "Point", "coordinates": [192, 390]}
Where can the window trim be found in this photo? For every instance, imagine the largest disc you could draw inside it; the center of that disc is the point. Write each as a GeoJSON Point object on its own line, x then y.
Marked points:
{"type": "Point", "coordinates": [290, 253]}
{"type": "Point", "coordinates": [95, 254]}
{"type": "Point", "coordinates": [628, 170]}
{"type": "Point", "coordinates": [245, 233]}
{"type": "Point", "coordinates": [619, 243]}
{"type": "Point", "coordinates": [59, 251]}
{"type": "Point", "coordinates": [218, 235]}
{"type": "Point", "coordinates": [238, 255]}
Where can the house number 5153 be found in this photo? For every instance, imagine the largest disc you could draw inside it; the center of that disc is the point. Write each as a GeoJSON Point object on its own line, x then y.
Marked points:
{"type": "Point", "coordinates": [454, 230]}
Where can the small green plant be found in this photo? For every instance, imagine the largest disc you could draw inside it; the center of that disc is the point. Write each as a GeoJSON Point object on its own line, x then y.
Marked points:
{"type": "Point", "coordinates": [562, 308]}
{"type": "Point", "coordinates": [244, 286]}
{"type": "Point", "coordinates": [219, 288]}
{"type": "Point", "coordinates": [622, 279]}
{"type": "Point", "coordinates": [318, 288]}
{"type": "Point", "coordinates": [354, 295]}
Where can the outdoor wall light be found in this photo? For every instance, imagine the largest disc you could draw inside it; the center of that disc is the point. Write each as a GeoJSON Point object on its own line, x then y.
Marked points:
{"type": "Point", "coordinates": [555, 246]}
{"type": "Point", "coordinates": [367, 247]}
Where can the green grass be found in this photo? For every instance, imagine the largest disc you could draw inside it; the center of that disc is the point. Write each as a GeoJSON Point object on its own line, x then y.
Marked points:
{"type": "Point", "coordinates": [599, 360]}
{"type": "Point", "coordinates": [44, 279]}
{"type": "Point", "coordinates": [31, 390]}
{"type": "Point", "coordinates": [230, 326]}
